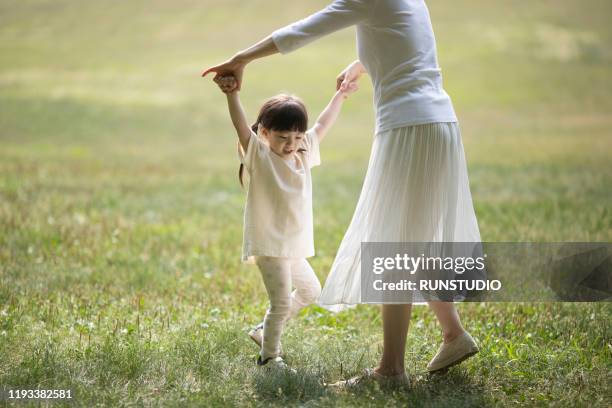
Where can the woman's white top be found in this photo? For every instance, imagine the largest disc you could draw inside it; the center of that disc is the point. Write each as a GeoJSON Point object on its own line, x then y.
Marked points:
{"type": "Point", "coordinates": [396, 44]}
{"type": "Point", "coordinates": [278, 212]}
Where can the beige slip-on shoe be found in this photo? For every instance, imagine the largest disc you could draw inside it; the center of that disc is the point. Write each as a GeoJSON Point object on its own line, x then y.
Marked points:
{"type": "Point", "coordinates": [450, 354]}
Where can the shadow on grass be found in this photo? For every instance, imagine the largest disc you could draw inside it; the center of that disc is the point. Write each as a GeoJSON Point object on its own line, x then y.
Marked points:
{"type": "Point", "coordinates": [453, 389]}
{"type": "Point", "coordinates": [456, 388]}
{"type": "Point", "coordinates": [284, 386]}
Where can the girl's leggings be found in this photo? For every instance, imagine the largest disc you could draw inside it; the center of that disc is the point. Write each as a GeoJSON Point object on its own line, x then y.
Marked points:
{"type": "Point", "coordinates": [278, 275]}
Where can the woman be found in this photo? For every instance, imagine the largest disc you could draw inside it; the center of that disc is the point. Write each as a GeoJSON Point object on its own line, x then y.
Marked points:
{"type": "Point", "coordinates": [417, 166]}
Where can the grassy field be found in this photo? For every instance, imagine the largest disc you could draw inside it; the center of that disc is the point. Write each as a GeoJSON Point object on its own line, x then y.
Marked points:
{"type": "Point", "coordinates": [120, 208]}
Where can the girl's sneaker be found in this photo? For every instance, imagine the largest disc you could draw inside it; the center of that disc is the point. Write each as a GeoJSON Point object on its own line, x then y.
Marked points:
{"type": "Point", "coordinates": [256, 334]}
{"type": "Point", "coordinates": [275, 363]}
{"type": "Point", "coordinates": [450, 354]}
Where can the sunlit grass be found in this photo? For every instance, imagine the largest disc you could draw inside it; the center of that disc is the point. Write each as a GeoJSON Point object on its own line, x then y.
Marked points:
{"type": "Point", "coordinates": [120, 208]}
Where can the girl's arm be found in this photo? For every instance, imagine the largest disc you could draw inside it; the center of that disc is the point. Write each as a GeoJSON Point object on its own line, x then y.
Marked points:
{"type": "Point", "coordinates": [329, 115]}
{"type": "Point", "coordinates": [236, 111]}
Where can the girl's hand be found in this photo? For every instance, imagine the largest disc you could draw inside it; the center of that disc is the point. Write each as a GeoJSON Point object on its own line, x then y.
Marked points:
{"type": "Point", "coordinates": [350, 74]}
{"type": "Point", "coordinates": [233, 67]}
{"type": "Point", "coordinates": [227, 83]}
{"type": "Point", "coordinates": [348, 89]}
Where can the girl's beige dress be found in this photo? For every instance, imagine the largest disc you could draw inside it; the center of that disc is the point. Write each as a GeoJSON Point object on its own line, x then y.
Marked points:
{"type": "Point", "coordinates": [278, 211]}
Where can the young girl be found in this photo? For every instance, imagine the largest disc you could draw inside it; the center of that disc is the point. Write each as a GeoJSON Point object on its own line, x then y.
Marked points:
{"type": "Point", "coordinates": [278, 151]}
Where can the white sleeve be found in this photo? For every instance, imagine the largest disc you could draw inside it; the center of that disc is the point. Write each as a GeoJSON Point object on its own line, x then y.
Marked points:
{"type": "Point", "coordinates": [338, 15]}
{"type": "Point", "coordinates": [311, 143]}
{"type": "Point", "coordinates": [253, 151]}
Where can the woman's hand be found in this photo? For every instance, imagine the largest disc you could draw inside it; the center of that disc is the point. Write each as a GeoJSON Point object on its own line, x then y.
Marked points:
{"type": "Point", "coordinates": [233, 67]}
{"type": "Point", "coordinates": [349, 75]}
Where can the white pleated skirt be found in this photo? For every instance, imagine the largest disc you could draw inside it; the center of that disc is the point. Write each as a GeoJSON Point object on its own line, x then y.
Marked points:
{"type": "Point", "coordinates": [416, 189]}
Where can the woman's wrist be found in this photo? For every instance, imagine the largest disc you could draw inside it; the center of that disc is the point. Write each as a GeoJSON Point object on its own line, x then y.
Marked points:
{"type": "Point", "coordinates": [241, 58]}
{"type": "Point", "coordinates": [262, 49]}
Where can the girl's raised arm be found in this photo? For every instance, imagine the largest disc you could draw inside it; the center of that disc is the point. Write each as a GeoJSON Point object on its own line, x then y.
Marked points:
{"type": "Point", "coordinates": [236, 111]}
{"type": "Point", "coordinates": [329, 115]}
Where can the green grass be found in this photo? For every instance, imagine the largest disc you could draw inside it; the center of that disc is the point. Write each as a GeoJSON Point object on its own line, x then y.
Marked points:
{"type": "Point", "coordinates": [120, 208]}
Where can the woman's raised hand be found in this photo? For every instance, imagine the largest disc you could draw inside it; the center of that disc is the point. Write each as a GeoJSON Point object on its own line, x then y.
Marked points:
{"type": "Point", "coordinates": [349, 75]}
{"type": "Point", "coordinates": [233, 67]}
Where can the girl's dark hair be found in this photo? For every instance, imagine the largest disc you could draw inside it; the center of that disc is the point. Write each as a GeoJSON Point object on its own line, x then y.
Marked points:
{"type": "Point", "coordinates": [281, 113]}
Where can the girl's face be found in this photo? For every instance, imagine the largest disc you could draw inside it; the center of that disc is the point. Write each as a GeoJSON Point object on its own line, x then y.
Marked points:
{"type": "Point", "coordinates": [284, 143]}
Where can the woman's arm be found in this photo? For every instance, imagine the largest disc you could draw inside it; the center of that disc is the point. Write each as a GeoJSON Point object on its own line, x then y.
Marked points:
{"type": "Point", "coordinates": [235, 65]}
{"type": "Point", "coordinates": [329, 115]}
{"type": "Point", "coordinates": [336, 16]}
{"type": "Point", "coordinates": [339, 14]}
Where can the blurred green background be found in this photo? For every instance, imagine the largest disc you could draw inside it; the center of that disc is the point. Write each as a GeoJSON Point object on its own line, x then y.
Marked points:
{"type": "Point", "coordinates": [121, 211]}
